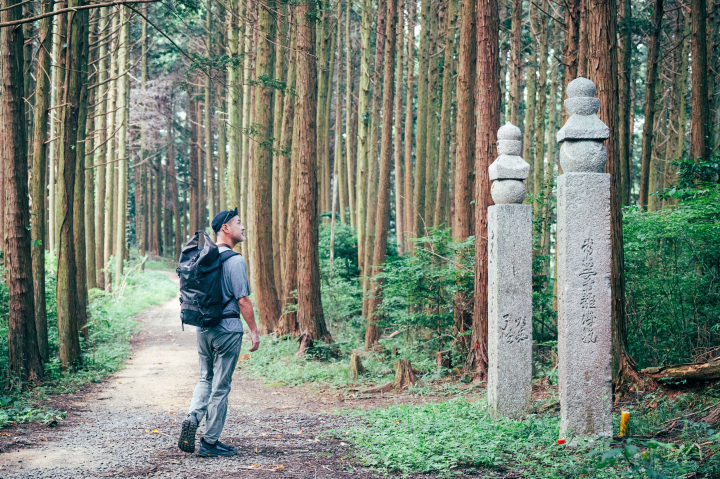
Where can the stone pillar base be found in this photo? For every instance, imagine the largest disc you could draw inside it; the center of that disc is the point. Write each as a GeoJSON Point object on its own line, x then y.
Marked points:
{"type": "Point", "coordinates": [584, 305]}
{"type": "Point", "coordinates": [509, 309]}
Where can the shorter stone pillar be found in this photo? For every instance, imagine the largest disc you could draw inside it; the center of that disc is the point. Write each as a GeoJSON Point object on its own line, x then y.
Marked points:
{"type": "Point", "coordinates": [583, 270]}
{"type": "Point", "coordinates": [509, 281]}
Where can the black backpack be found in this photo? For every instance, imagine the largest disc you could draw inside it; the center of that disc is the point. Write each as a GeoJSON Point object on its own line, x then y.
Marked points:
{"type": "Point", "coordinates": [200, 273]}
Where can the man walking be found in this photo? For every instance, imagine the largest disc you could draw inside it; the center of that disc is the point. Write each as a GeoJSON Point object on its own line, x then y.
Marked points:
{"type": "Point", "coordinates": [219, 346]}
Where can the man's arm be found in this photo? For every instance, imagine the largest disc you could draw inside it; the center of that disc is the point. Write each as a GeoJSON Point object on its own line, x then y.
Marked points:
{"type": "Point", "coordinates": [246, 309]}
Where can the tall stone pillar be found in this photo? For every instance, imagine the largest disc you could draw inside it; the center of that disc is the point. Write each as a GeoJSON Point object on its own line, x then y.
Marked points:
{"type": "Point", "coordinates": [509, 281]}
{"type": "Point", "coordinates": [583, 269]}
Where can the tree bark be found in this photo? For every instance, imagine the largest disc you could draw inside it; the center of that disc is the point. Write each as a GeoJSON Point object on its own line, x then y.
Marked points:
{"type": "Point", "coordinates": [539, 158]}
{"type": "Point", "coordinates": [397, 131]}
{"type": "Point", "coordinates": [652, 76]}
{"type": "Point", "coordinates": [309, 313]}
{"type": "Point", "coordinates": [515, 63]}
{"type": "Point", "coordinates": [25, 360]}
{"type": "Point", "coordinates": [38, 179]}
{"type": "Point", "coordinates": [409, 208]}
{"type": "Point", "coordinates": [462, 226]}
{"type": "Point", "coordinates": [101, 132]}
{"type": "Point", "coordinates": [700, 113]}
{"type": "Point", "coordinates": [442, 191]}
{"type": "Point", "coordinates": [267, 303]}
{"type": "Point", "coordinates": [382, 222]}
{"type": "Point", "coordinates": [349, 151]}
{"type": "Point", "coordinates": [421, 125]}
{"type": "Point", "coordinates": [285, 173]}
{"type": "Point", "coordinates": [110, 157]}
{"type": "Point", "coordinates": [487, 89]}
{"type": "Point", "coordinates": [624, 127]}
{"type": "Point", "coordinates": [123, 84]}
{"type": "Point", "coordinates": [79, 224]}
{"type": "Point", "coordinates": [602, 69]}
{"type": "Point", "coordinates": [67, 295]}
{"type": "Point", "coordinates": [363, 135]}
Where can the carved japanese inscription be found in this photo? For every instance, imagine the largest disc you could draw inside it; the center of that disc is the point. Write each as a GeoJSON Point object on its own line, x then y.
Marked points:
{"type": "Point", "coordinates": [513, 329]}
{"type": "Point", "coordinates": [588, 299]}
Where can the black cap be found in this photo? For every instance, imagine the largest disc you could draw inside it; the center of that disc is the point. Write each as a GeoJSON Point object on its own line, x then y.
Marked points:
{"type": "Point", "coordinates": [222, 218]}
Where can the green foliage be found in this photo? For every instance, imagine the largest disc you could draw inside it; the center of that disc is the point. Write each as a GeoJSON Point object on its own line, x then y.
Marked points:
{"type": "Point", "coordinates": [672, 267]}
{"type": "Point", "coordinates": [418, 290]}
{"type": "Point", "coordinates": [460, 434]}
{"type": "Point", "coordinates": [111, 323]}
{"type": "Point", "coordinates": [276, 362]}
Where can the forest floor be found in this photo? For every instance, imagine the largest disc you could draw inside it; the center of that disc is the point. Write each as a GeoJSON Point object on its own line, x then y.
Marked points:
{"type": "Point", "coordinates": [128, 425]}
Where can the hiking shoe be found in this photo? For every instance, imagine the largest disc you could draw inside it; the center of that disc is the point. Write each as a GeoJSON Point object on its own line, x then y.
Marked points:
{"type": "Point", "coordinates": [186, 443]}
{"type": "Point", "coordinates": [226, 446]}
{"type": "Point", "coordinates": [214, 450]}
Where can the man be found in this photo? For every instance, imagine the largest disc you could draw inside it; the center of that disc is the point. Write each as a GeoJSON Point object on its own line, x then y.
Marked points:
{"type": "Point", "coordinates": [219, 346]}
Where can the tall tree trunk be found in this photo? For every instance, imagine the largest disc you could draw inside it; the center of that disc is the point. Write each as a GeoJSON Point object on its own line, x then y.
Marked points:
{"type": "Point", "coordinates": [487, 87]}
{"type": "Point", "coordinates": [88, 170]}
{"type": "Point", "coordinates": [348, 112]}
{"type": "Point", "coordinates": [234, 106]}
{"type": "Point", "coordinates": [372, 161]}
{"type": "Point", "coordinates": [141, 203]}
{"type": "Point", "coordinates": [652, 76]}
{"type": "Point", "coordinates": [101, 132]}
{"type": "Point", "coordinates": [56, 121]}
{"type": "Point", "coordinates": [67, 296]}
{"type": "Point", "coordinates": [700, 113]}
{"type": "Point", "coordinates": [602, 69]}
{"type": "Point", "coordinates": [682, 30]}
{"type": "Point", "coordinates": [421, 125]}
{"type": "Point", "coordinates": [515, 63]}
{"type": "Point", "coordinates": [462, 226]}
{"type": "Point", "coordinates": [172, 178]}
{"type": "Point", "coordinates": [572, 39]}
{"type": "Point", "coordinates": [267, 303]}
{"type": "Point", "coordinates": [123, 84]}
{"type": "Point", "coordinates": [285, 181]}
{"type": "Point", "coordinates": [397, 132]}
{"type": "Point", "coordinates": [281, 45]}
{"type": "Point", "coordinates": [110, 157]}
{"type": "Point", "coordinates": [443, 171]}
{"type": "Point", "coordinates": [624, 127]}
{"type": "Point", "coordinates": [382, 224]}
{"type": "Point", "coordinates": [79, 224]}
{"type": "Point", "coordinates": [194, 187]}
{"type": "Point", "coordinates": [410, 213]}
{"type": "Point", "coordinates": [25, 360]}
{"type": "Point", "coordinates": [531, 91]}
{"type": "Point", "coordinates": [39, 178]}
{"type": "Point", "coordinates": [431, 148]}
{"type": "Point", "coordinates": [539, 159]}
{"type": "Point", "coordinates": [363, 136]}
{"type": "Point", "coordinates": [309, 313]}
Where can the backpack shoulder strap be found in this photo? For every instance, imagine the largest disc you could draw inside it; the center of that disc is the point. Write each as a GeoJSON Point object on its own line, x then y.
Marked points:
{"type": "Point", "coordinates": [226, 255]}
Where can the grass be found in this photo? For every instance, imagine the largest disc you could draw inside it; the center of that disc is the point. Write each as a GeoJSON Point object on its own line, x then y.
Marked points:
{"type": "Point", "coordinates": [459, 434]}
{"type": "Point", "coordinates": [275, 362]}
{"type": "Point", "coordinates": [111, 324]}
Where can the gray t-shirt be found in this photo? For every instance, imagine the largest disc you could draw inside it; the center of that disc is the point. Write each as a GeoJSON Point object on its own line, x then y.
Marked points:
{"type": "Point", "coordinates": [234, 286]}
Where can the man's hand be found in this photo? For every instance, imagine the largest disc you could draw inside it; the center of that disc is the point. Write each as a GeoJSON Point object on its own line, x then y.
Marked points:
{"type": "Point", "coordinates": [255, 338]}
{"type": "Point", "coordinates": [246, 309]}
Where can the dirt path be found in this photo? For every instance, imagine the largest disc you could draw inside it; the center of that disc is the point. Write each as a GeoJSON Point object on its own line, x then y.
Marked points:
{"type": "Point", "coordinates": [128, 426]}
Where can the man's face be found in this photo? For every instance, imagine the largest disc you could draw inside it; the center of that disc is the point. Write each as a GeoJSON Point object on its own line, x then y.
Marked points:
{"type": "Point", "coordinates": [235, 229]}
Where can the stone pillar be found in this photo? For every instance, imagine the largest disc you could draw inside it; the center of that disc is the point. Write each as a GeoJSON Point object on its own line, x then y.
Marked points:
{"type": "Point", "coordinates": [509, 281]}
{"type": "Point", "coordinates": [583, 269]}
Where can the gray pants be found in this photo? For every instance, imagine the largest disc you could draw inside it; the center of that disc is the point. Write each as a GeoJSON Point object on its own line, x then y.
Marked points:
{"type": "Point", "coordinates": [218, 353]}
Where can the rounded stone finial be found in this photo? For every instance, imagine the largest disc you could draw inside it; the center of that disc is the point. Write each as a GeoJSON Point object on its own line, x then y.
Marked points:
{"type": "Point", "coordinates": [509, 132]}
{"type": "Point", "coordinates": [505, 192]}
{"type": "Point", "coordinates": [581, 87]}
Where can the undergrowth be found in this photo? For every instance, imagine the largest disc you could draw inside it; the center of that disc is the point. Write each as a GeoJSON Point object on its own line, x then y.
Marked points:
{"type": "Point", "coordinates": [459, 434]}
{"type": "Point", "coordinates": [111, 323]}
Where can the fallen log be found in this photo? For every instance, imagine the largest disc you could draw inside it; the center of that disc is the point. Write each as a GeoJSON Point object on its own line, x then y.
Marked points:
{"type": "Point", "coordinates": [709, 371]}
{"type": "Point", "coordinates": [387, 387]}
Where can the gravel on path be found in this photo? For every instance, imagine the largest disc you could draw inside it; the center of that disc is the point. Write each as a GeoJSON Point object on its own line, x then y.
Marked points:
{"type": "Point", "coordinates": [128, 426]}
